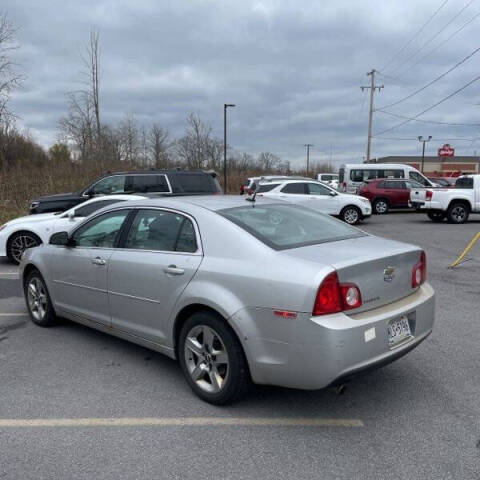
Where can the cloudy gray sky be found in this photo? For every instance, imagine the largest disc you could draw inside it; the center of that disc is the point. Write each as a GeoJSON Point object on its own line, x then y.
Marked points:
{"type": "Point", "coordinates": [292, 68]}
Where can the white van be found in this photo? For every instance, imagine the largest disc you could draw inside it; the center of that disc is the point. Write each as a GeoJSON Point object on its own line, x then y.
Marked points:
{"type": "Point", "coordinates": [352, 175]}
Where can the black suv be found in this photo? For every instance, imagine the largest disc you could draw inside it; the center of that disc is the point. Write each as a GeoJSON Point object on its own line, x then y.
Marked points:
{"type": "Point", "coordinates": [162, 182]}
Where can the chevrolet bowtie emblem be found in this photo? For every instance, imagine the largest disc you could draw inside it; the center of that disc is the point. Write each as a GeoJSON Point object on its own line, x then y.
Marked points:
{"type": "Point", "coordinates": [388, 274]}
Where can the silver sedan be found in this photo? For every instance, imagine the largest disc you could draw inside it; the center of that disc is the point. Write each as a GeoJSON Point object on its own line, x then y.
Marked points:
{"type": "Point", "coordinates": [236, 290]}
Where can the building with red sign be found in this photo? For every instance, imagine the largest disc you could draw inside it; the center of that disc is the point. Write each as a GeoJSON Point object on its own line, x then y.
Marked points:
{"type": "Point", "coordinates": [439, 166]}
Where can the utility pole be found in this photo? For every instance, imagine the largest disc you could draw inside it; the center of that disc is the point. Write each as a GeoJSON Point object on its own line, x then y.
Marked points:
{"type": "Point", "coordinates": [225, 106]}
{"type": "Point", "coordinates": [308, 145]}
{"type": "Point", "coordinates": [424, 141]}
{"type": "Point", "coordinates": [372, 88]}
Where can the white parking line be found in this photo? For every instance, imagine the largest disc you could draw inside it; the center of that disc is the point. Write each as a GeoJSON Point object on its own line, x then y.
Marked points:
{"type": "Point", "coordinates": [9, 273]}
{"type": "Point", "coordinates": [180, 422]}
{"type": "Point", "coordinates": [13, 314]}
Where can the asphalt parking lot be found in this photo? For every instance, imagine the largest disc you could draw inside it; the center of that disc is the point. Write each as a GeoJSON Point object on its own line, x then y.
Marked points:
{"type": "Point", "coordinates": [79, 404]}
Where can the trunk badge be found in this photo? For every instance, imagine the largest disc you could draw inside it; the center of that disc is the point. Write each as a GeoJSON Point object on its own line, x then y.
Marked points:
{"type": "Point", "coordinates": [388, 274]}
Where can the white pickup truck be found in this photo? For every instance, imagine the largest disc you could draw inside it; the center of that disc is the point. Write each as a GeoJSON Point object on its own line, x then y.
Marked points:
{"type": "Point", "coordinates": [455, 204]}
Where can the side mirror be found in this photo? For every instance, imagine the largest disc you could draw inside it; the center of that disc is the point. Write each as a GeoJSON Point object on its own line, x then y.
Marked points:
{"type": "Point", "coordinates": [88, 193]}
{"type": "Point", "coordinates": [71, 215]}
{"type": "Point", "coordinates": [61, 238]}
{"type": "Point", "coordinates": [333, 194]}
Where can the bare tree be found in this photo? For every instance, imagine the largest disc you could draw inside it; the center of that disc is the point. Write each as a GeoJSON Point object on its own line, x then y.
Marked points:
{"type": "Point", "coordinates": [91, 64]}
{"type": "Point", "coordinates": [9, 78]}
{"type": "Point", "coordinates": [78, 126]}
{"type": "Point", "coordinates": [198, 148]}
{"type": "Point", "coordinates": [128, 138]}
{"type": "Point", "coordinates": [159, 146]}
{"type": "Point", "coordinates": [268, 161]}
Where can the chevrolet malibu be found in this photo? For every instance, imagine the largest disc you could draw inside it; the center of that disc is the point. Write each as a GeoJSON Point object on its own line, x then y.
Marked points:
{"type": "Point", "coordinates": [238, 291]}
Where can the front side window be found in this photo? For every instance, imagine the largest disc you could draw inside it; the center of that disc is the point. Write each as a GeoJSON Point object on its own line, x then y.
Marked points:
{"type": "Point", "coordinates": [395, 185]}
{"type": "Point", "coordinates": [163, 231]}
{"type": "Point", "coordinates": [102, 231]}
{"type": "Point", "coordinates": [289, 226]}
{"type": "Point", "coordinates": [419, 178]}
{"type": "Point", "coordinates": [295, 188]}
{"type": "Point", "coordinates": [88, 209]}
{"type": "Point", "coordinates": [109, 185]}
{"type": "Point", "coordinates": [316, 189]}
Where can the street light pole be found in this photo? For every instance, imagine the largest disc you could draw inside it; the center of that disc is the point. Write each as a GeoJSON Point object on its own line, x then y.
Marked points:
{"type": "Point", "coordinates": [225, 106]}
{"type": "Point", "coordinates": [308, 145]}
{"type": "Point", "coordinates": [424, 141]}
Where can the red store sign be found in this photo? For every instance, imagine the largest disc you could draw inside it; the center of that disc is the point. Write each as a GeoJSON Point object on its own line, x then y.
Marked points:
{"type": "Point", "coordinates": [446, 151]}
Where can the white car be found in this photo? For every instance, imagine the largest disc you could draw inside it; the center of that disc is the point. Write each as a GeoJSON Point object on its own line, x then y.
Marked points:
{"type": "Point", "coordinates": [330, 179]}
{"type": "Point", "coordinates": [26, 232]}
{"type": "Point", "coordinates": [350, 208]}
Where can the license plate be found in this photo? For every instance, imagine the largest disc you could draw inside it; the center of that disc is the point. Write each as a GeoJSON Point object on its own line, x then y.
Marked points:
{"type": "Point", "coordinates": [398, 330]}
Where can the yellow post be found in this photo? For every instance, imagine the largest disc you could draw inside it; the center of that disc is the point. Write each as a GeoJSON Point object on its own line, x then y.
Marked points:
{"type": "Point", "coordinates": [467, 249]}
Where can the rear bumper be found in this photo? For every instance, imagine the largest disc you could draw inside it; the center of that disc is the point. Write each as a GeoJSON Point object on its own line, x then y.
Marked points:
{"type": "Point", "coordinates": [314, 352]}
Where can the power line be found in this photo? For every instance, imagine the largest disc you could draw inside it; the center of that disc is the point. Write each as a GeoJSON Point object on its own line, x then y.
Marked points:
{"type": "Point", "coordinates": [416, 138]}
{"type": "Point", "coordinates": [395, 55]}
{"type": "Point", "coordinates": [431, 107]}
{"type": "Point", "coordinates": [441, 44]}
{"type": "Point", "coordinates": [442, 29]}
{"type": "Point", "coordinates": [432, 82]}
{"type": "Point", "coordinates": [396, 115]}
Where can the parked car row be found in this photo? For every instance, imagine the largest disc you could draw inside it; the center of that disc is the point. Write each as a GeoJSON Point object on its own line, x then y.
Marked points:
{"type": "Point", "coordinates": [146, 257]}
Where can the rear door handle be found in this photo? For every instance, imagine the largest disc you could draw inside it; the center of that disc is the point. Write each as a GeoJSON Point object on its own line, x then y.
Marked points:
{"type": "Point", "coordinates": [98, 261]}
{"type": "Point", "coordinates": [173, 270]}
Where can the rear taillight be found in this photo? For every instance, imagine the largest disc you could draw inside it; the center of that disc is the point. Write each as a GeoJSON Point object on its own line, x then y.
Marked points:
{"type": "Point", "coordinates": [428, 195]}
{"type": "Point", "coordinates": [419, 272]}
{"type": "Point", "coordinates": [334, 297]}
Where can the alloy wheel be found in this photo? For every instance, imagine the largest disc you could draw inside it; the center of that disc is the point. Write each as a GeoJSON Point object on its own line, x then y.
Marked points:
{"type": "Point", "coordinates": [206, 358]}
{"type": "Point", "coordinates": [381, 206]}
{"type": "Point", "coordinates": [19, 244]}
{"type": "Point", "coordinates": [351, 216]}
{"type": "Point", "coordinates": [458, 214]}
{"type": "Point", "coordinates": [37, 298]}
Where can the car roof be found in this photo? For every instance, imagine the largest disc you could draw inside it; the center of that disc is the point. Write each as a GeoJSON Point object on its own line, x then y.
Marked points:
{"type": "Point", "coordinates": [293, 180]}
{"type": "Point", "coordinates": [153, 171]}
{"type": "Point", "coordinates": [208, 202]}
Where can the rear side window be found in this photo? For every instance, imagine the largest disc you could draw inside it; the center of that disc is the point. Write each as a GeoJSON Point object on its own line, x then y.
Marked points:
{"type": "Point", "coordinates": [295, 188]}
{"type": "Point", "coordinates": [148, 183]}
{"type": "Point", "coordinates": [193, 183]}
{"type": "Point", "coordinates": [396, 185]}
{"type": "Point", "coordinates": [87, 210]}
{"type": "Point", "coordinates": [465, 182]}
{"type": "Point", "coordinates": [162, 231]}
{"type": "Point", "coordinates": [266, 187]}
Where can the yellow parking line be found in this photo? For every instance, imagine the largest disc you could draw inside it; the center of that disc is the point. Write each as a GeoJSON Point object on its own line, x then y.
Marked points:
{"type": "Point", "coordinates": [180, 422]}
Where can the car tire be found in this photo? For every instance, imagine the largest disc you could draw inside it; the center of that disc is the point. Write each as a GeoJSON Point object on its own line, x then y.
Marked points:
{"type": "Point", "coordinates": [212, 359]}
{"type": "Point", "coordinates": [18, 243]}
{"type": "Point", "coordinates": [351, 215]}
{"type": "Point", "coordinates": [458, 212]}
{"type": "Point", "coordinates": [380, 206]}
{"type": "Point", "coordinates": [436, 216]}
{"type": "Point", "coordinates": [38, 300]}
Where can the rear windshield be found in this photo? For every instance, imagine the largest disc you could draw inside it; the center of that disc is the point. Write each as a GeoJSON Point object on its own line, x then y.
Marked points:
{"type": "Point", "coordinates": [193, 183]}
{"type": "Point", "coordinates": [289, 226]}
{"type": "Point", "coordinates": [266, 187]}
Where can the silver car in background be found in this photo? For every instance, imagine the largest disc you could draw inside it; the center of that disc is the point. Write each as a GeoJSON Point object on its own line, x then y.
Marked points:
{"type": "Point", "coordinates": [237, 291]}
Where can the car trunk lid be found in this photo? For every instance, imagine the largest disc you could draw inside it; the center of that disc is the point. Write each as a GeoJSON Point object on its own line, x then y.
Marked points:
{"type": "Point", "coordinates": [382, 269]}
